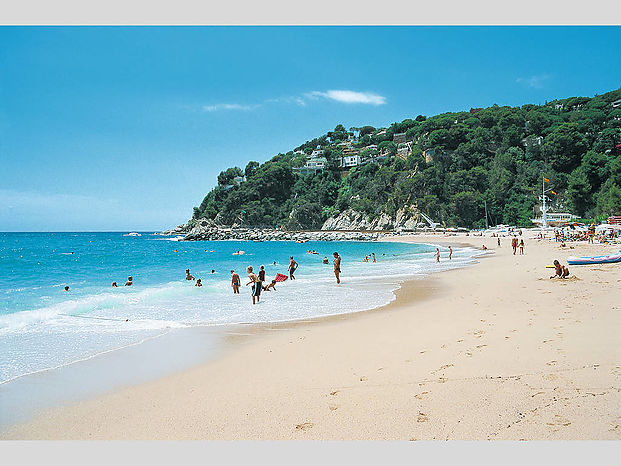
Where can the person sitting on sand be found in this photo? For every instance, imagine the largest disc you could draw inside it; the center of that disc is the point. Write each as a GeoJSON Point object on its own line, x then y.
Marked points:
{"type": "Point", "coordinates": [270, 287]}
{"type": "Point", "coordinates": [114, 285]}
{"type": "Point", "coordinates": [558, 270]}
{"type": "Point", "coordinates": [198, 282]}
{"type": "Point", "coordinates": [235, 282]}
{"type": "Point", "coordinates": [337, 267]}
{"type": "Point", "coordinates": [188, 275]}
{"type": "Point", "coordinates": [325, 260]}
{"type": "Point", "coordinates": [256, 285]}
{"type": "Point", "coordinates": [293, 265]}
{"type": "Point", "coordinates": [129, 281]}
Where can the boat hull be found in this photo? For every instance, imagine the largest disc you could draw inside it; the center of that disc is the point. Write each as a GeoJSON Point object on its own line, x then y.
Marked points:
{"type": "Point", "coordinates": [585, 260]}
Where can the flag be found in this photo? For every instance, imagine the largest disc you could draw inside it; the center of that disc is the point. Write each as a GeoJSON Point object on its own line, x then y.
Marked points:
{"type": "Point", "coordinates": [546, 180]}
{"type": "Point", "coordinates": [553, 192]}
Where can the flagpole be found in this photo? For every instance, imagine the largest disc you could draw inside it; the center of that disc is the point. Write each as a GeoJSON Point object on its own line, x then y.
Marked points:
{"type": "Point", "coordinates": [544, 209]}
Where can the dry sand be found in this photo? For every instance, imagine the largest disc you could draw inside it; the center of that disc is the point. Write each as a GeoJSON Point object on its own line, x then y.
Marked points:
{"type": "Point", "coordinates": [495, 351]}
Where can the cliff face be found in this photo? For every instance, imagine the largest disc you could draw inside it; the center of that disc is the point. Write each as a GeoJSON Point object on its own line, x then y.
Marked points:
{"type": "Point", "coordinates": [353, 220]}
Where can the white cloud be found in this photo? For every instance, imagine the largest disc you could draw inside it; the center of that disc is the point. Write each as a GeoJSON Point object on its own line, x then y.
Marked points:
{"type": "Point", "coordinates": [536, 81]}
{"type": "Point", "coordinates": [349, 97]}
{"type": "Point", "coordinates": [342, 96]}
{"type": "Point", "coordinates": [217, 107]}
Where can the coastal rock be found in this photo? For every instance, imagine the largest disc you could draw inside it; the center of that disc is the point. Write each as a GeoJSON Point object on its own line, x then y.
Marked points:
{"type": "Point", "coordinates": [406, 218]}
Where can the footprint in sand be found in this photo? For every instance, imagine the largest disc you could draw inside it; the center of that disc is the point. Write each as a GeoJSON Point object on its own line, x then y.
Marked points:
{"type": "Point", "coordinates": [422, 417]}
{"type": "Point", "coordinates": [442, 379]}
{"type": "Point", "coordinates": [333, 407]}
{"type": "Point", "coordinates": [459, 341]}
{"type": "Point", "coordinates": [550, 377]}
{"type": "Point", "coordinates": [304, 426]}
{"type": "Point", "coordinates": [559, 421]}
{"type": "Point", "coordinates": [420, 396]}
{"type": "Point", "coordinates": [363, 379]}
{"type": "Point", "coordinates": [617, 371]}
{"type": "Point", "coordinates": [552, 363]}
{"type": "Point", "coordinates": [481, 346]}
{"type": "Point", "coordinates": [469, 354]}
{"type": "Point", "coordinates": [334, 392]}
{"type": "Point", "coordinates": [547, 341]}
{"type": "Point", "coordinates": [422, 352]}
{"type": "Point", "coordinates": [506, 338]}
{"type": "Point", "coordinates": [538, 393]}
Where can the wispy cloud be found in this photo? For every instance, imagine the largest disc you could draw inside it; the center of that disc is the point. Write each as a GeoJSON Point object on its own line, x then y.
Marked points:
{"type": "Point", "coordinates": [218, 107]}
{"type": "Point", "coordinates": [536, 81]}
{"type": "Point", "coordinates": [349, 97]}
{"type": "Point", "coordinates": [343, 96]}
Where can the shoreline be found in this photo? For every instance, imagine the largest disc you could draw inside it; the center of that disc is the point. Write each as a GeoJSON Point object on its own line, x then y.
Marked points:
{"type": "Point", "coordinates": [216, 338]}
{"type": "Point", "coordinates": [306, 362]}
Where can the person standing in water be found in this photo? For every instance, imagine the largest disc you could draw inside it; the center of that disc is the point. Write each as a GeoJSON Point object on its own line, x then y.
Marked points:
{"type": "Point", "coordinates": [129, 281]}
{"type": "Point", "coordinates": [188, 275]}
{"type": "Point", "coordinates": [293, 265]}
{"type": "Point", "coordinates": [256, 285]}
{"type": "Point", "coordinates": [337, 267]}
{"type": "Point", "coordinates": [450, 253]}
{"type": "Point", "coordinates": [437, 254]}
{"type": "Point", "coordinates": [373, 254]}
{"type": "Point", "coordinates": [261, 276]}
{"type": "Point", "coordinates": [235, 282]}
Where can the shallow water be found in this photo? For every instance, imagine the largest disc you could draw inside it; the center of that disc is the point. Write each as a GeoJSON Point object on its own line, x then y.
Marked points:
{"type": "Point", "coordinates": [43, 327]}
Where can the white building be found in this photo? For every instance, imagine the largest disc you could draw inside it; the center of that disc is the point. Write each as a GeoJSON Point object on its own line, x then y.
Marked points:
{"type": "Point", "coordinates": [317, 153]}
{"type": "Point", "coordinates": [350, 161]}
{"type": "Point", "coordinates": [312, 165]}
{"type": "Point", "coordinates": [616, 103]}
{"type": "Point", "coordinates": [239, 179]}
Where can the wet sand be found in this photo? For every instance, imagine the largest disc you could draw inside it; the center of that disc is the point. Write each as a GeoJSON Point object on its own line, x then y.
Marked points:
{"type": "Point", "coordinates": [494, 351]}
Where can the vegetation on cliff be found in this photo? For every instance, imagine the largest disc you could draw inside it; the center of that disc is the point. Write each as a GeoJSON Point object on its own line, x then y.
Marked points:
{"type": "Point", "coordinates": [449, 166]}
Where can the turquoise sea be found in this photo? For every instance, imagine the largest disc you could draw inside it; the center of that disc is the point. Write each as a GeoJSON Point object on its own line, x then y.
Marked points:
{"type": "Point", "coordinates": [44, 327]}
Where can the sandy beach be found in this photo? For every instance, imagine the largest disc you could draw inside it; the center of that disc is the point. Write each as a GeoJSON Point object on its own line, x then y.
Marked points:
{"type": "Point", "coordinates": [493, 351]}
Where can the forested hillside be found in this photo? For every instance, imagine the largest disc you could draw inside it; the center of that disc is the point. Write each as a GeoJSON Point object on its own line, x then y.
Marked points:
{"type": "Point", "coordinates": [447, 166]}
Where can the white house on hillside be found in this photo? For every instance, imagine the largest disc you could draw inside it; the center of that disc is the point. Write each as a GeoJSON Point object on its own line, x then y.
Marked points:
{"type": "Point", "coordinates": [312, 165]}
{"type": "Point", "coordinates": [350, 161]}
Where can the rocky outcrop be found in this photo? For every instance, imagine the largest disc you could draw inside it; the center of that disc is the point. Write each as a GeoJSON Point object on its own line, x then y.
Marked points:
{"type": "Point", "coordinates": [350, 219]}
{"type": "Point", "coordinates": [207, 230]}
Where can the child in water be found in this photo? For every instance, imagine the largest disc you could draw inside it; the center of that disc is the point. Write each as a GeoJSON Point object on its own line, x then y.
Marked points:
{"type": "Point", "coordinates": [198, 282]}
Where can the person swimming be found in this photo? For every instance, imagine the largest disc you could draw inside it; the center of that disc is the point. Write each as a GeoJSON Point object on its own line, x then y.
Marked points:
{"type": "Point", "coordinates": [198, 282]}
{"type": "Point", "coordinates": [188, 275]}
{"type": "Point", "coordinates": [325, 260]}
{"type": "Point", "coordinates": [66, 288]}
{"type": "Point", "coordinates": [129, 281]}
{"type": "Point", "coordinates": [114, 285]}
{"type": "Point", "coordinates": [213, 271]}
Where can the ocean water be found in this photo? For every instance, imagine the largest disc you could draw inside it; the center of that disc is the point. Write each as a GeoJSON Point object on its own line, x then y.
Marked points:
{"type": "Point", "coordinates": [44, 327]}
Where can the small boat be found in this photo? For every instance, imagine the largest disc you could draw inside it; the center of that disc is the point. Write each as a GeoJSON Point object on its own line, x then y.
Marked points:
{"type": "Point", "coordinates": [585, 260]}
{"type": "Point", "coordinates": [133, 233]}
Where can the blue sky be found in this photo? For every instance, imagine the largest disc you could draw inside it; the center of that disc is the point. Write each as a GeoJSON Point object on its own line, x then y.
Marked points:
{"type": "Point", "coordinates": [127, 128]}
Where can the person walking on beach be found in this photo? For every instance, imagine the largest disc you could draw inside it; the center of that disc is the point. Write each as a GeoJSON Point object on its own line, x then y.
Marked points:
{"type": "Point", "coordinates": [293, 265]}
{"type": "Point", "coordinates": [235, 282]}
{"type": "Point", "coordinates": [521, 247]}
{"type": "Point", "coordinates": [499, 241]}
{"type": "Point", "coordinates": [450, 253]}
{"type": "Point", "coordinates": [337, 267]}
{"type": "Point", "coordinates": [256, 285]}
{"type": "Point", "coordinates": [437, 254]}
{"type": "Point", "coordinates": [514, 243]}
